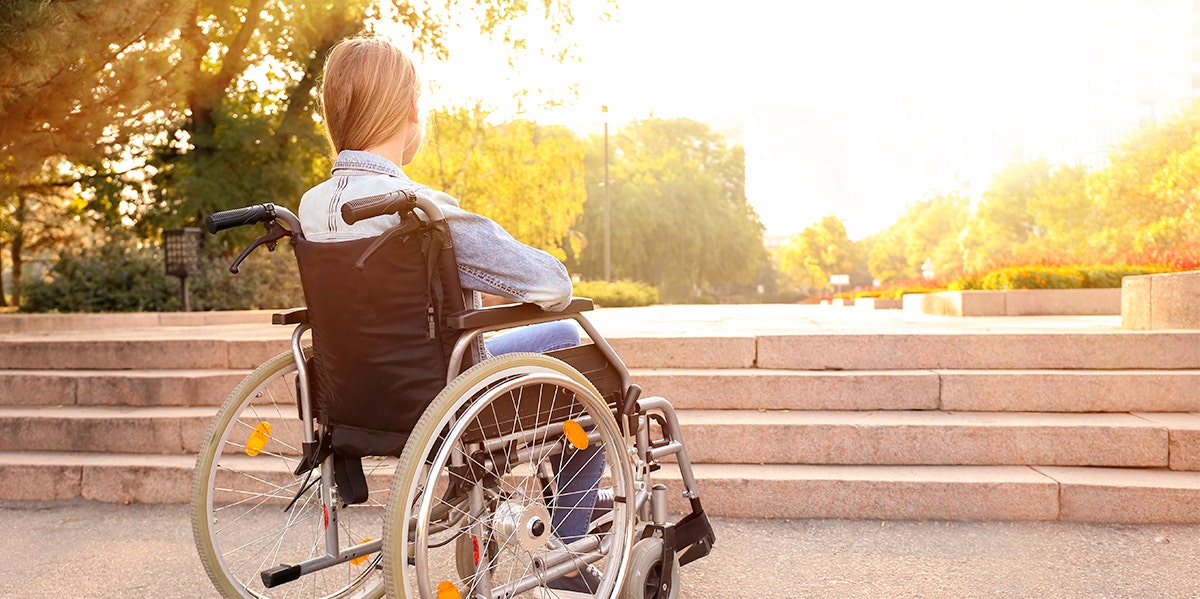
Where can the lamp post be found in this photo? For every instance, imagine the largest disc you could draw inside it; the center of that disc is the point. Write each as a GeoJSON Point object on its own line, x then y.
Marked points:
{"type": "Point", "coordinates": [181, 249]}
{"type": "Point", "coordinates": [607, 208]}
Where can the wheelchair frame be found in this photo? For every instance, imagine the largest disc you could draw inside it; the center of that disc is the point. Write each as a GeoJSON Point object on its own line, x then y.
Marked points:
{"type": "Point", "coordinates": [648, 425]}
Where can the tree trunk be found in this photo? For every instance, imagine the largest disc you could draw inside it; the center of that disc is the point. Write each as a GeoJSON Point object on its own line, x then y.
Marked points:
{"type": "Point", "coordinates": [3, 301]}
{"type": "Point", "coordinates": [16, 246]}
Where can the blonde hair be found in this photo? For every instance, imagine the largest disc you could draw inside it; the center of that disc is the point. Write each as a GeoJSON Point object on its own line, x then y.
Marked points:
{"type": "Point", "coordinates": [367, 92]}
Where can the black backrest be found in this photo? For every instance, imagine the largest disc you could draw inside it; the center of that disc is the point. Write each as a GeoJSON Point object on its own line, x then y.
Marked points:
{"type": "Point", "coordinates": [375, 366]}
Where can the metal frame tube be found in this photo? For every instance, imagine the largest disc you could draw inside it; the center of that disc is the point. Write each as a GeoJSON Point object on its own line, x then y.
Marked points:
{"type": "Point", "coordinates": [675, 444]}
{"type": "Point", "coordinates": [310, 435]}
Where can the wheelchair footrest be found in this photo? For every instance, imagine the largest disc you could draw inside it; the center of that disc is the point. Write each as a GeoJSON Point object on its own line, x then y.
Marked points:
{"type": "Point", "coordinates": [694, 535]}
{"type": "Point", "coordinates": [278, 575]}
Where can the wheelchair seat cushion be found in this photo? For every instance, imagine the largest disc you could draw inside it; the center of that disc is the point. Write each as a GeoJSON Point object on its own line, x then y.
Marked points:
{"type": "Point", "coordinates": [380, 351]}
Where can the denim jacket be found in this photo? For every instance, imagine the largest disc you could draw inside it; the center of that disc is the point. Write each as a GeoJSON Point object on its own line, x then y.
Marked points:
{"type": "Point", "coordinates": [489, 259]}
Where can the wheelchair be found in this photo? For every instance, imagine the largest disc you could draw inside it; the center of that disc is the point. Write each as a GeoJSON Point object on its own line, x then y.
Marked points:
{"type": "Point", "coordinates": [465, 510]}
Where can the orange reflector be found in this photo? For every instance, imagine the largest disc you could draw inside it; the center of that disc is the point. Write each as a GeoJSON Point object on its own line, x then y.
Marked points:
{"type": "Point", "coordinates": [258, 438]}
{"type": "Point", "coordinates": [362, 558]}
{"type": "Point", "coordinates": [576, 435]}
{"type": "Point", "coordinates": [446, 590]}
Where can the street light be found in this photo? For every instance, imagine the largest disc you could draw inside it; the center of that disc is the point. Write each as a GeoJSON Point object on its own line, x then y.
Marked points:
{"type": "Point", "coordinates": [181, 249]}
{"type": "Point", "coordinates": [607, 209]}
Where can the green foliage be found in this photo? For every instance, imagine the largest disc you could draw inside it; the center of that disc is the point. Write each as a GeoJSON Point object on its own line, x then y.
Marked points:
{"type": "Point", "coordinates": [266, 280]}
{"type": "Point", "coordinates": [527, 178]}
{"type": "Point", "coordinates": [823, 249]}
{"type": "Point", "coordinates": [679, 216]}
{"type": "Point", "coordinates": [255, 167]}
{"type": "Point", "coordinates": [1057, 277]}
{"type": "Point", "coordinates": [888, 292]}
{"type": "Point", "coordinates": [1033, 277]}
{"type": "Point", "coordinates": [928, 229]}
{"type": "Point", "coordinates": [113, 278]}
{"type": "Point", "coordinates": [156, 114]}
{"type": "Point", "coordinates": [1147, 196]}
{"type": "Point", "coordinates": [617, 294]}
{"type": "Point", "coordinates": [123, 277]}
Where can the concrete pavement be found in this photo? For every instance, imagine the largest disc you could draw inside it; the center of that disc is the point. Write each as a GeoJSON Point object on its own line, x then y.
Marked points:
{"type": "Point", "coordinates": [82, 549]}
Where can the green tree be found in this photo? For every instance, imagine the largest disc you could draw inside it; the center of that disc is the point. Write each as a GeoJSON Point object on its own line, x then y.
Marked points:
{"type": "Point", "coordinates": [75, 77]}
{"type": "Point", "coordinates": [821, 250]}
{"type": "Point", "coordinates": [246, 132]}
{"type": "Point", "coordinates": [1003, 221]}
{"type": "Point", "coordinates": [928, 229]}
{"type": "Point", "coordinates": [1147, 196]}
{"type": "Point", "coordinates": [1064, 216]}
{"type": "Point", "coordinates": [212, 102]}
{"type": "Point", "coordinates": [527, 178]}
{"type": "Point", "coordinates": [679, 215]}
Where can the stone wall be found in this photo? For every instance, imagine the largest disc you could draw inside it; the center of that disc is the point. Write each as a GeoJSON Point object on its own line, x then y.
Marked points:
{"type": "Point", "coordinates": [1017, 302]}
{"type": "Point", "coordinates": [1165, 301]}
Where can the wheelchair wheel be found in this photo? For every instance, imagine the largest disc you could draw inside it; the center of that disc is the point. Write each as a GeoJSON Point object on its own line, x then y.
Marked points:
{"type": "Point", "coordinates": [477, 487]}
{"type": "Point", "coordinates": [645, 572]}
{"type": "Point", "coordinates": [250, 513]}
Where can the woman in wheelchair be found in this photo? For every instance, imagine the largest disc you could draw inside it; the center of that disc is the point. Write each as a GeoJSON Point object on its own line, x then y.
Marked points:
{"type": "Point", "coordinates": [370, 96]}
{"type": "Point", "coordinates": [520, 465]}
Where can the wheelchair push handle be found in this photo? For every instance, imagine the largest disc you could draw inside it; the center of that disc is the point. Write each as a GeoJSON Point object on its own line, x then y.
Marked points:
{"type": "Point", "coordinates": [401, 200]}
{"type": "Point", "coordinates": [280, 223]}
{"type": "Point", "coordinates": [238, 217]}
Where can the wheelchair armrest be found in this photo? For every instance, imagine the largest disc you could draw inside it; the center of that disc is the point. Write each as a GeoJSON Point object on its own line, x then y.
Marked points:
{"type": "Point", "coordinates": [513, 314]}
{"type": "Point", "coordinates": [293, 316]}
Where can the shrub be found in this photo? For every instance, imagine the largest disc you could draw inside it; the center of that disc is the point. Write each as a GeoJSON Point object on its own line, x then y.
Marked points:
{"type": "Point", "coordinates": [1102, 276]}
{"type": "Point", "coordinates": [618, 293]}
{"type": "Point", "coordinates": [266, 280]}
{"type": "Point", "coordinates": [1033, 277]}
{"type": "Point", "coordinates": [122, 277]}
{"type": "Point", "coordinates": [890, 291]}
{"type": "Point", "coordinates": [1057, 277]}
{"type": "Point", "coordinates": [112, 278]}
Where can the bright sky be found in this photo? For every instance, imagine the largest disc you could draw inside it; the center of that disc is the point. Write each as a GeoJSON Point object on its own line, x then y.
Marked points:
{"type": "Point", "coordinates": [926, 91]}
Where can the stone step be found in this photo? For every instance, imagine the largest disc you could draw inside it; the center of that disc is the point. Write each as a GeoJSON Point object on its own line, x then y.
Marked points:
{"type": "Point", "coordinates": [105, 429]}
{"type": "Point", "coordinates": [726, 436]}
{"type": "Point", "coordinates": [245, 348]}
{"type": "Point", "coordinates": [940, 438]}
{"type": "Point", "coordinates": [719, 389]}
{"type": "Point", "coordinates": [72, 353]}
{"type": "Point", "coordinates": [1111, 350]}
{"type": "Point", "coordinates": [959, 390]}
{"type": "Point", "coordinates": [117, 387]}
{"type": "Point", "coordinates": [1106, 495]}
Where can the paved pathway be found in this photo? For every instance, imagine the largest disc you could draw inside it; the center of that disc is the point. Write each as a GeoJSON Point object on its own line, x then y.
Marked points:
{"type": "Point", "coordinates": [96, 550]}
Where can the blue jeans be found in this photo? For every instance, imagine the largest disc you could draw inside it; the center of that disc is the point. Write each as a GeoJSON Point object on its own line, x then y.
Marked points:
{"type": "Point", "coordinates": [578, 472]}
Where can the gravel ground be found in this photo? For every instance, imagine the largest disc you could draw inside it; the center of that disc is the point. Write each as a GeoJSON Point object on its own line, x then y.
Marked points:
{"type": "Point", "coordinates": [87, 549]}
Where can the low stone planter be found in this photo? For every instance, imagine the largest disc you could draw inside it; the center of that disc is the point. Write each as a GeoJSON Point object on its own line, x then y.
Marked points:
{"type": "Point", "coordinates": [1017, 302]}
{"type": "Point", "coordinates": [1164, 301]}
{"type": "Point", "coordinates": [874, 303]}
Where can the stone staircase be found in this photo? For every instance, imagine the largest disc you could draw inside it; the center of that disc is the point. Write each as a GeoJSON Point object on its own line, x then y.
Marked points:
{"type": "Point", "coordinates": [1074, 425]}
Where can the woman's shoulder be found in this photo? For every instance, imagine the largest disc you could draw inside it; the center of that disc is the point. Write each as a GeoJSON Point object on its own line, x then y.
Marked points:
{"type": "Point", "coordinates": [439, 197]}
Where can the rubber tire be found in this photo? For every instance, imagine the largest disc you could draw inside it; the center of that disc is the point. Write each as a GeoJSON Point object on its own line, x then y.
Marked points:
{"type": "Point", "coordinates": [645, 564]}
{"type": "Point", "coordinates": [279, 366]}
{"type": "Point", "coordinates": [413, 459]}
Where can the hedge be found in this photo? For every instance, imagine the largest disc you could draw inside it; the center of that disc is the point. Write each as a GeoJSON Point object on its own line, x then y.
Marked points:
{"type": "Point", "coordinates": [1057, 277]}
{"type": "Point", "coordinates": [618, 293]}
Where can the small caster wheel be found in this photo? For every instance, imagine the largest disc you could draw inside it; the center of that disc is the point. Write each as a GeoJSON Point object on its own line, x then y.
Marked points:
{"type": "Point", "coordinates": [645, 569]}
